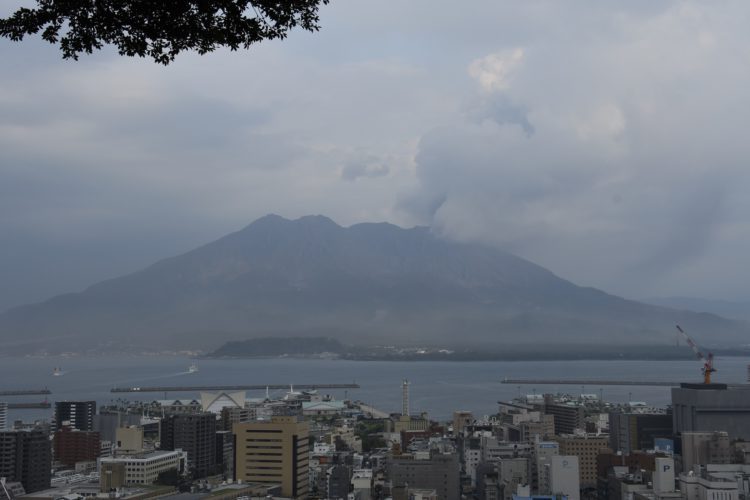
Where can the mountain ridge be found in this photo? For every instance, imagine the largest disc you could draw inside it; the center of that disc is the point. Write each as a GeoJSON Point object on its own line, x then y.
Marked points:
{"type": "Point", "coordinates": [366, 283]}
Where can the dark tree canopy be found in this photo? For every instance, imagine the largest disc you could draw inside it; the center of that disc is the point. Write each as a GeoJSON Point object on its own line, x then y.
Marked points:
{"type": "Point", "coordinates": [159, 29]}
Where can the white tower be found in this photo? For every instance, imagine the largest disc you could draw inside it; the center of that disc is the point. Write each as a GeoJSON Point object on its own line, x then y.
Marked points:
{"type": "Point", "coordinates": [405, 398]}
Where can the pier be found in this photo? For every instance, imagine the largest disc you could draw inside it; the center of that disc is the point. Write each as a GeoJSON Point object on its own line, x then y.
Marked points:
{"type": "Point", "coordinates": [26, 392]}
{"type": "Point", "coordinates": [532, 381]}
{"type": "Point", "coordinates": [30, 406]}
{"type": "Point", "coordinates": [259, 387]}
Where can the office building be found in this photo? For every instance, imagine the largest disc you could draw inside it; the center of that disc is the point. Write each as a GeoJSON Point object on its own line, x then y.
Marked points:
{"type": "Point", "coordinates": [630, 432]}
{"type": "Point", "coordinates": [140, 469]}
{"type": "Point", "coordinates": [195, 434]}
{"type": "Point", "coordinates": [72, 446]}
{"type": "Point", "coordinates": [461, 420]}
{"type": "Point", "coordinates": [78, 414]}
{"type": "Point", "coordinates": [564, 476]}
{"type": "Point", "coordinates": [26, 457]}
{"type": "Point", "coordinates": [440, 473]}
{"type": "Point", "coordinates": [712, 407]}
{"type": "Point", "coordinates": [129, 440]}
{"type": "Point", "coordinates": [542, 454]}
{"type": "Point", "coordinates": [107, 421]}
{"type": "Point", "coordinates": [274, 452]}
{"type": "Point", "coordinates": [586, 448]}
{"type": "Point", "coordinates": [569, 417]}
{"type": "Point", "coordinates": [702, 448]}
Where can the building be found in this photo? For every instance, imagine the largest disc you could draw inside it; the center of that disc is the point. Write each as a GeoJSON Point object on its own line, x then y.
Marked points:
{"type": "Point", "coordinates": [26, 457]}
{"type": "Point", "coordinates": [564, 474]}
{"type": "Point", "coordinates": [215, 402]}
{"type": "Point", "coordinates": [440, 473]}
{"type": "Point", "coordinates": [140, 469]}
{"type": "Point", "coordinates": [461, 420]}
{"type": "Point", "coordinates": [541, 456]}
{"type": "Point", "coordinates": [225, 454]}
{"type": "Point", "coordinates": [78, 414]}
{"type": "Point", "coordinates": [569, 416]}
{"type": "Point", "coordinates": [587, 448]}
{"type": "Point", "coordinates": [712, 407]}
{"type": "Point", "coordinates": [702, 448]}
{"type": "Point", "coordinates": [129, 440]}
{"type": "Point", "coordinates": [106, 422]}
{"type": "Point", "coordinates": [72, 446]}
{"type": "Point", "coordinates": [195, 434]}
{"type": "Point", "coordinates": [629, 432]}
{"type": "Point", "coordinates": [3, 416]}
{"type": "Point", "coordinates": [274, 452]}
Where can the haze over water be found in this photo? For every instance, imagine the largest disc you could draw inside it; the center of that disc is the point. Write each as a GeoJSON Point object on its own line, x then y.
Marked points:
{"type": "Point", "coordinates": [436, 387]}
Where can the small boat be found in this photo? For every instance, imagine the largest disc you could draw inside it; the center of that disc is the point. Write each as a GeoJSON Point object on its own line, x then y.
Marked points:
{"type": "Point", "coordinates": [193, 368]}
{"type": "Point", "coordinates": [57, 372]}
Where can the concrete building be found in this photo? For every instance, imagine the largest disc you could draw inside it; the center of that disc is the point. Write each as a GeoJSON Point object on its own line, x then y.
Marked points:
{"type": "Point", "coordinates": [3, 415]}
{"type": "Point", "coordinates": [79, 414]}
{"type": "Point", "coordinates": [512, 472]}
{"type": "Point", "coordinates": [129, 440]}
{"type": "Point", "coordinates": [338, 482]}
{"type": "Point", "coordinates": [712, 407]}
{"type": "Point", "coordinates": [440, 473]}
{"type": "Point", "coordinates": [629, 432]}
{"type": "Point", "coordinates": [274, 452]}
{"type": "Point", "coordinates": [139, 470]}
{"type": "Point", "coordinates": [564, 476]}
{"type": "Point", "coordinates": [195, 434]}
{"type": "Point", "coordinates": [542, 454]}
{"type": "Point", "coordinates": [106, 423]}
{"type": "Point", "coordinates": [569, 416]}
{"type": "Point", "coordinates": [708, 486]}
{"type": "Point", "coordinates": [586, 447]}
{"type": "Point", "coordinates": [461, 420]}
{"type": "Point", "coordinates": [26, 457]}
{"type": "Point", "coordinates": [225, 454]}
{"type": "Point", "coordinates": [702, 448]}
{"type": "Point", "coordinates": [72, 446]}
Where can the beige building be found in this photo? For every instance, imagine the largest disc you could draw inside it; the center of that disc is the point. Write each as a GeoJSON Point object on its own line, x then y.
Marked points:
{"type": "Point", "coordinates": [129, 439]}
{"type": "Point", "coordinates": [274, 452]}
{"type": "Point", "coordinates": [586, 447]}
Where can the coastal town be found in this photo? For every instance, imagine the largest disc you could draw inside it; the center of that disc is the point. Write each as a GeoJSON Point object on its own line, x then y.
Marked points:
{"type": "Point", "coordinates": [223, 445]}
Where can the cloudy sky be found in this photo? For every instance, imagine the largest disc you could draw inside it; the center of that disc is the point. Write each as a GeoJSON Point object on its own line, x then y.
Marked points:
{"type": "Point", "coordinates": [607, 141]}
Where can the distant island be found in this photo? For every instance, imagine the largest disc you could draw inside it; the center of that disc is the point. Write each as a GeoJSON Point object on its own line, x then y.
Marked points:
{"type": "Point", "coordinates": [278, 346]}
{"type": "Point", "coordinates": [330, 348]}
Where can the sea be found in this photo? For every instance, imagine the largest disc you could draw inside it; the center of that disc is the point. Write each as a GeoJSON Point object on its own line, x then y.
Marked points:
{"type": "Point", "coordinates": [436, 387]}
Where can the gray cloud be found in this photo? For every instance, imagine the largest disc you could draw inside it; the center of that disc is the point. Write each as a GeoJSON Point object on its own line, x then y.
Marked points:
{"type": "Point", "coordinates": [613, 153]}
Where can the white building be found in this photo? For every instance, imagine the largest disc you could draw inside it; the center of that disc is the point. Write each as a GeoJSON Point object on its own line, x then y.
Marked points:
{"type": "Point", "coordinates": [143, 469]}
{"type": "Point", "coordinates": [565, 476]}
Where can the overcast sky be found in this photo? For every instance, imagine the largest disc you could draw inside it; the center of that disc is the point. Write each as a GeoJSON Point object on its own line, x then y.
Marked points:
{"type": "Point", "coordinates": [607, 141]}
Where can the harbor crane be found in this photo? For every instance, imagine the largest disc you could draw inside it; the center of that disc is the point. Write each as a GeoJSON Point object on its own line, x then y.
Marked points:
{"type": "Point", "coordinates": [708, 361]}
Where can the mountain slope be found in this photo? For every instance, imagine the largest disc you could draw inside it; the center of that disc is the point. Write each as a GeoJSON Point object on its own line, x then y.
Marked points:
{"type": "Point", "coordinates": [363, 284]}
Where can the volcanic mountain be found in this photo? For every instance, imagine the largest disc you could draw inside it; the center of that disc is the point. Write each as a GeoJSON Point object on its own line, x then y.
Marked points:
{"type": "Point", "coordinates": [365, 284]}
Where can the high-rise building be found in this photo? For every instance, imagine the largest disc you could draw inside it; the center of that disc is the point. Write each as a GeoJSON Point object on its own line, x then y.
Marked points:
{"type": "Point", "coordinates": [26, 457]}
{"type": "Point", "coordinates": [569, 417]}
{"type": "Point", "coordinates": [225, 454]}
{"type": "Point", "coordinates": [194, 433]}
{"type": "Point", "coordinates": [274, 452]}
{"type": "Point", "coordinates": [72, 446]}
{"type": "Point", "coordinates": [712, 407]}
{"type": "Point", "coordinates": [79, 414]}
{"type": "Point", "coordinates": [586, 448]}
{"type": "Point", "coordinates": [702, 448]}
{"type": "Point", "coordinates": [629, 432]}
{"type": "Point", "coordinates": [3, 415]}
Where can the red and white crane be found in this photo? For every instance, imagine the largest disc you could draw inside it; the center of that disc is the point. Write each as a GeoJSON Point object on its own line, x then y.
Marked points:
{"type": "Point", "coordinates": [708, 361]}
